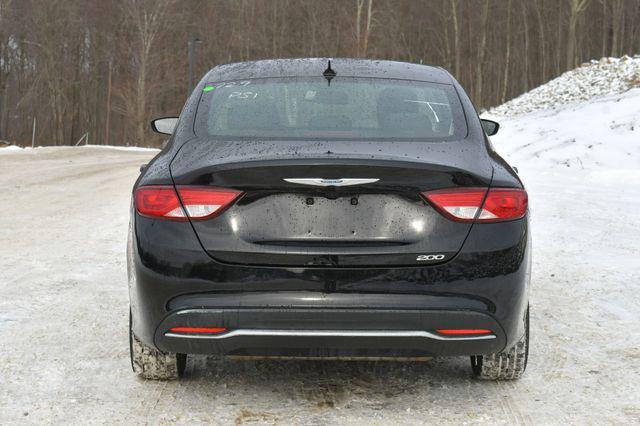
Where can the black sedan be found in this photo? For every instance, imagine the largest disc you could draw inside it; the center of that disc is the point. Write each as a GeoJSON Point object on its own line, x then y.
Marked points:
{"type": "Point", "coordinates": [332, 209]}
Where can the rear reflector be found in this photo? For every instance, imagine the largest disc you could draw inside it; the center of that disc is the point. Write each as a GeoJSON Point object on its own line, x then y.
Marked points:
{"type": "Point", "coordinates": [200, 202]}
{"type": "Point", "coordinates": [198, 330]}
{"type": "Point", "coordinates": [466, 204]}
{"type": "Point", "coordinates": [463, 331]}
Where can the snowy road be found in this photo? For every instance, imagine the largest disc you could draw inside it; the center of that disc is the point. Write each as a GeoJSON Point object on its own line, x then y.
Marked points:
{"type": "Point", "coordinates": [63, 317]}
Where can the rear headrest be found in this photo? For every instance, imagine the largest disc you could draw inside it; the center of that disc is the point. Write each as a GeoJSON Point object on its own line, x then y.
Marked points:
{"type": "Point", "coordinates": [253, 114]}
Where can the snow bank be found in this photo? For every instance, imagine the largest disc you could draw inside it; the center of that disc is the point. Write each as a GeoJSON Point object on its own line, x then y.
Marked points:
{"type": "Point", "coordinates": [591, 80]}
{"type": "Point", "coordinates": [603, 133]}
{"type": "Point", "coordinates": [123, 148]}
{"type": "Point", "coordinates": [15, 148]}
{"type": "Point", "coordinates": [10, 148]}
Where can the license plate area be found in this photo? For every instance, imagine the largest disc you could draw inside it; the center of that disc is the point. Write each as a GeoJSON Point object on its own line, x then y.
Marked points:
{"type": "Point", "coordinates": [362, 219]}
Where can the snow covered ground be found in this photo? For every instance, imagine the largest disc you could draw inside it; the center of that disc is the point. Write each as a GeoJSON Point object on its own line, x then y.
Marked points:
{"type": "Point", "coordinates": [63, 300]}
{"type": "Point", "coordinates": [15, 148]}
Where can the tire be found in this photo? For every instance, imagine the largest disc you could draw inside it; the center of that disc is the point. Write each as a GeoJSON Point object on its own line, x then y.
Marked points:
{"type": "Point", "coordinates": [149, 363]}
{"type": "Point", "coordinates": [509, 365]}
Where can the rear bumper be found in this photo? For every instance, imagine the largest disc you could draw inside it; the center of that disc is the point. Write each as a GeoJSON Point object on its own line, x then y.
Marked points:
{"type": "Point", "coordinates": [275, 330]}
{"type": "Point", "coordinates": [173, 282]}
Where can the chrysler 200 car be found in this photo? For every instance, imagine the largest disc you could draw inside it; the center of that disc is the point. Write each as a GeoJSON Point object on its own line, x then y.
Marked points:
{"type": "Point", "coordinates": [343, 209]}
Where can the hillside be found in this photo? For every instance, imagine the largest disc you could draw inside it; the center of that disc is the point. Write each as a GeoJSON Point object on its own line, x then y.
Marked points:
{"type": "Point", "coordinates": [591, 80]}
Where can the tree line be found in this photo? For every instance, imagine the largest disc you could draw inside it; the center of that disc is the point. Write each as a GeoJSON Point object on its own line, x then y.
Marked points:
{"type": "Point", "coordinates": [106, 67]}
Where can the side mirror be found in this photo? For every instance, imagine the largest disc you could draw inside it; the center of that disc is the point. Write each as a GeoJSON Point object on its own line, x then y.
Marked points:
{"type": "Point", "coordinates": [165, 125]}
{"type": "Point", "coordinates": [490, 127]}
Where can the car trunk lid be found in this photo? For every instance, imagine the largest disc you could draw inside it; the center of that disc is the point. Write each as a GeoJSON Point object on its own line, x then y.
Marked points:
{"type": "Point", "coordinates": [300, 208]}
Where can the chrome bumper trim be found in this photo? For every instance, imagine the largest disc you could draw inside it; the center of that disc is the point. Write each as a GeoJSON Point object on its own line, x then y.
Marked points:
{"type": "Point", "coordinates": [327, 333]}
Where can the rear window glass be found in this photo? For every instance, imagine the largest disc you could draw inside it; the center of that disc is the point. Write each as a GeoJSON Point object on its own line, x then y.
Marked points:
{"type": "Point", "coordinates": [348, 108]}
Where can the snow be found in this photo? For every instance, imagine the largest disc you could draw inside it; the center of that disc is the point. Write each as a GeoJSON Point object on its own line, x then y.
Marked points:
{"type": "Point", "coordinates": [123, 148]}
{"type": "Point", "coordinates": [603, 134]}
{"type": "Point", "coordinates": [63, 300]}
{"type": "Point", "coordinates": [591, 80]}
{"type": "Point", "coordinates": [10, 148]}
{"type": "Point", "coordinates": [15, 148]}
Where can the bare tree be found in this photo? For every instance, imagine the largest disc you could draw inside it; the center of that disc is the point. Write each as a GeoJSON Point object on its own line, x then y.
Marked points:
{"type": "Point", "coordinates": [617, 23]}
{"type": "Point", "coordinates": [456, 37]}
{"type": "Point", "coordinates": [362, 36]}
{"type": "Point", "coordinates": [147, 18]}
{"type": "Point", "coordinates": [576, 8]}
{"type": "Point", "coordinates": [507, 60]}
{"type": "Point", "coordinates": [484, 15]}
{"type": "Point", "coordinates": [538, 6]}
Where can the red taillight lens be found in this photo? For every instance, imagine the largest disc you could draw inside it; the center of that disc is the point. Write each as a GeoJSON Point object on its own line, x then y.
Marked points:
{"type": "Point", "coordinates": [200, 202]}
{"type": "Point", "coordinates": [158, 201]}
{"type": "Point", "coordinates": [505, 204]}
{"type": "Point", "coordinates": [464, 331]}
{"type": "Point", "coordinates": [466, 204]}
{"type": "Point", "coordinates": [198, 330]}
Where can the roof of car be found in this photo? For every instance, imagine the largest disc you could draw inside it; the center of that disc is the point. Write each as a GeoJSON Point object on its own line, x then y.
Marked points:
{"type": "Point", "coordinates": [305, 67]}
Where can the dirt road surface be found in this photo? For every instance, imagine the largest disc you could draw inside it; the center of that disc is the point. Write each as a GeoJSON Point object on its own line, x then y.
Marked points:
{"type": "Point", "coordinates": [63, 319]}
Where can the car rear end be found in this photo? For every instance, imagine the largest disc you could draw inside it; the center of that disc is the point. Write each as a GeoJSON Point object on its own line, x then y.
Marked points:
{"type": "Point", "coordinates": [324, 219]}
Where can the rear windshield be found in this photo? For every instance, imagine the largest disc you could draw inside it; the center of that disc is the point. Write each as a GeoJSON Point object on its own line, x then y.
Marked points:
{"type": "Point", "coordinates": [348, 108]}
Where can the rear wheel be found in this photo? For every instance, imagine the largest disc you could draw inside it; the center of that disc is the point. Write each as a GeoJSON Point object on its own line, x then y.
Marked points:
{"type": "Point", "coordinates": [509, 365]}
{"type": "Point", "coordinates": [150, 363]}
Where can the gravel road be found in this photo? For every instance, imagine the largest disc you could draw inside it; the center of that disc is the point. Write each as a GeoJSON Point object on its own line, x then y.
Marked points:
{"type": "Point", "coordinates": [63, 319]}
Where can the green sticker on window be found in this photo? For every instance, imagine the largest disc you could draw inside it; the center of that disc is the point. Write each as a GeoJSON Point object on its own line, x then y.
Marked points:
{"type": "Point", "coordinates": [208, 88]}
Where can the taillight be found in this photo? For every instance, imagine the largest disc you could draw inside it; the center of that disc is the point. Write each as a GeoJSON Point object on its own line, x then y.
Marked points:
{"type": "Point", "coordinates": [200, 202]}
{"type": "Point", "coordinates": [466, 204]}
{"type": "Point", "coordinates": [206, 202]}
{"type": "Point", "coordinates": [158, 201]}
